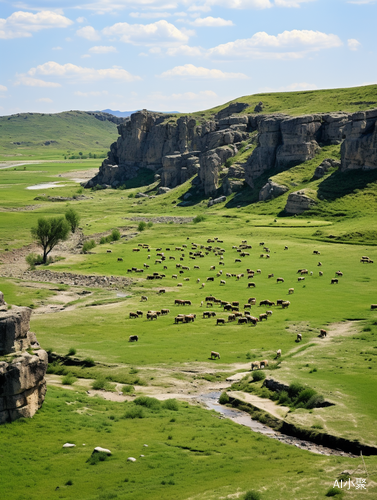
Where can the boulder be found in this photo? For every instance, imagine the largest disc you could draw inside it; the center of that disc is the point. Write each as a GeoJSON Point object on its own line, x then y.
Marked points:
{"type": "Point", "coordinates": [221, 199]}
{"type": "Point", "coordinates": [22, 373]}
{"type": "Point", "coordinates": [232, 186]}
{"type": "Point", "coordinates": [298, 202]}
{"type": "Point", "coordinates": [359, 149]}
{"type": "Point", "coordinates": [324, 167]}
{"type": "Point", "coordinates": [98, 449]}
{"type": "Point", "coordinates": [271, 190]}
{"type": "Point", "coordinates": [163, 190]}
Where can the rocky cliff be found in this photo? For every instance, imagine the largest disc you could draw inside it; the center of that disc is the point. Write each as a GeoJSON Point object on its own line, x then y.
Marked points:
{"type": "Point", "coordinates": [23, 365]}
{"type": "Point", "coordinates": [177, 149]}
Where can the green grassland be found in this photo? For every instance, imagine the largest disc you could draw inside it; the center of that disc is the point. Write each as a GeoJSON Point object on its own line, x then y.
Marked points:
{"type": "Point", "coordinates": [191, 452]}
{"type": "Point", "coordinates": [50, 136]}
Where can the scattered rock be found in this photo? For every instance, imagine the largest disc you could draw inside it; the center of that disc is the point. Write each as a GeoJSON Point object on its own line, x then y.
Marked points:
{"type": "Point", "coordinates": [98, 449]}
{"type": "Point", "coordinates": [271, 190]}
{"type": "Point", "coordinates": [298, 202]}
{"type": "Point", "coordinates": [216, 200]}
{"type": "Point", "coordinates": [324, 167]}
{"type": "Point", "coordinates": [259, 107]}
{"type": "Point", "coordinates": [163, 190]}
{"type": "Point", "coordinates": [131, 459]}
{"type": "Point", "coordinates": [69, 445]}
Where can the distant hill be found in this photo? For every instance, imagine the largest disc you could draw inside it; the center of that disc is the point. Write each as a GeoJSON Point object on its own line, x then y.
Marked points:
{"type": "Point", "coordinates": [125, 114]}
{"type": "Point", "coordinates": [70, 132]}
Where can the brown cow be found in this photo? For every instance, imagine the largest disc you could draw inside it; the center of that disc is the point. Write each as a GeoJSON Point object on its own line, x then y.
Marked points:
{"type": "Point", "coordinates": [322, 333]}
{"type": "Point", "coordinates": [263, 316]}
{"type": "Point", "coordinates": [133, 315]}
{"type": "Point", "coordinates": [215, 355]}
{"type": "Point", "coordinates": [220, 321]}
{"type": "Point", "coordinates": [255, 364]}
{"type": "Point", "coordinates": [264, 363]}
{"type": "Point", "coordinates": [242, 320]}
{"type": "Point", "coordinates": [285, 304]}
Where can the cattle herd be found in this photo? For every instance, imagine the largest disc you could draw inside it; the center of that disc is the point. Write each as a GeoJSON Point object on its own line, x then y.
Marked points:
{"type": "Point", "coordinates": [198, 251]}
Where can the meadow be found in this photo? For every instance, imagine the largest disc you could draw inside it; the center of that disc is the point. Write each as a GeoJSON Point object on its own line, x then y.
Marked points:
{"type": "Point", "coordinates": [192, 453]}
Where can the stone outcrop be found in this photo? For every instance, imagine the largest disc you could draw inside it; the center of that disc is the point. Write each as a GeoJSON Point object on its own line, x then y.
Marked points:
{"type": "Point", "coordinates": [324, 167]}
{"type": "Point", "coordinates": [359, 149]}
{"type": "Point", "coordinates": [271, 190]}
{"type": "Point", "coordinates": [23, 365]}
{"type": "Point", "coordinates": [298, 202]}
{"type": "Point", "coordinates": [177, 149]}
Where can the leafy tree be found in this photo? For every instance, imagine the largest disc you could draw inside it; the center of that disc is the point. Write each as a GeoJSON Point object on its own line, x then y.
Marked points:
{"type": "Point", "coordinates": [49, 232]}
{"type": "Point", "coordinates": [73, 219]}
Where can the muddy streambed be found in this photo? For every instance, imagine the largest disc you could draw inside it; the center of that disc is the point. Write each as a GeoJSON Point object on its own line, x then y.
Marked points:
{"type": "Point", "coordinates": [211, 401]}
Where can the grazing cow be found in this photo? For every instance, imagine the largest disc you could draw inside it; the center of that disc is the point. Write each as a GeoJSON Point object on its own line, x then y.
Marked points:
{"type": "Point", "coordinates": [207, 314]}
{"type": "Point", "coordinates": [198, 280]}
{"type": "Point", "coordinates": [316, 252]}
{"type": "Point", "coordinates": [178, 302]}
{"type": "Point", "coordinates": [252, 319]}
{"type": "Point", "coordinates": [251, 284]}
{"type": "Point", "coordinates": [215, 355]}
{"type": "Point", "coordinates": [187, 303]}
{"type": "Point", "coordinates": [237, 260]}
{"type": "Point", "coordinates": [174, 276]}
{"type": "Point", "coordinates": [291, 290]}
{"type": "Point", "coordinates": [242, 320]}
{"type": "Point", "coordinates": [279, 302]}
{"type": "Point", "coordinates": [178, 319]}
{"type": "Point", "coordinates": [165, 311]}
{"type": "Point", "coordinates": [255, 364]}
{"type": "Point", "coordinates": [210, 278]}
{"type": "Point", "coordinates": [133, 338]}
{"type": "Point", "coordinates": [232, 317]}
{"type": "Point", "coordinates": [120, 259]}
{"type": "Point", "coordinates": [252, 301]}
{"type": "Point", "coordinates": [299, 337]}
{"type": "Point", "coordinates": [261, 244]}
{"type": "Point", "coordinates": [162, 290]}
{"type": "Point", "coordinates": [285, 304]}
{"type": "Point", "coordinates": [189, 318]}
{"type": "Point", "coordinates": [133, 315]}
{"type": "Point", "coordinates": [196, 267]}
{"type": "Point", "coordinates": [319, 264]}
{"type": "Point", "coordinates": [279, 280]}
{"type": "Point", "coordinates": [373, 306]}
{"type": "Point", "coordinates": [301, 279]}
{"type": "Point", "coordinates": [136, 249]}
{"type": "Point", "coordinates": [247, 306]}
{"type": "Point", "coordinates": [278, 353]}
{"type": "Point", "coordinates": [203, 285]}
{"type": "Point", "coordinates": [285, 248]}
{"type": "Point", "coordinates": [259, 271]}
{"type": "Point", "coordinates": [271, 275]}
{"type": "Point", "coordinates": [322, 333]}
{"type": "Point", "coordinates": [152, 315]}
{"type": "Point", "coordinates": [264, 363]}
{"type": "Point", "coordinates": [222, 282]}
{"type": "Point", "coordinates": [263, 316]}
{"type": "Point", "coordinates": [235, 303]}
{"type": "Point", "coordinates": [139, 313]}
{"type": "Point", "coordinates": [320, 273]}
{"type": "Point", "coordinates": [304, 271]}
{"type": "Point", "coordinates": [269, 313]}
{"type": "Point", "coordinates": [339, 273]}
{"type": "Point", "coordinates": [143, 298]}
{"type": "Point", "coordinates": [220, 321]}
{"type": "Point", "coordinates": [334, 281]}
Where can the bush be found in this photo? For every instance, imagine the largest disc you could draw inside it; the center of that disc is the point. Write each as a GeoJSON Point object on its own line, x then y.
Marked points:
{"type": "Point", "coordinates": [101, 383]}
{"type": "Point", "coordinates": [294, 389]}
{"type": "Point", "coordinates": [142, 225]}
{"type": "Point", "coordinates": [134, 412]}
{"type": "Point", "coordinates": [332, 492]}
{"type": "Point", "coordinates": [148, 402]}
{"type": "Point", "coordinates": [115, 235]}
{"type": "Point", "coordinates": [72, 351]}
{"type": "Point", "coordinates": [97, 457]}
{"type": "Point", "coordinates": [89, 362]}
{"type": "Point", "coordinates": [252, 495]}
{"type": "Point", "coordinates": [88, 245]}
{"type": "Point", "coordinates": [69, 379]}
{"type": "Point", "coordinates": [284, 398]}
{"type": "Point", "coordinates": [34, 260]}
{"type": "Point", "coordinates": [258, 375]}
{"type": "Point", "coordinates": [170, 404]}
{"type": "Point", "coordinates": [198, 218]}
{"type": "Point", "coordinates": [305, 395]}
{"type": "Point", "coordinates": [150, 224]}
{"type": "Point", "coordinates": [103, 240]}
{"type": "Point", "coordinates": [314, 402]}
{"type": "Point", "coordinates": [128, 389]}
{"type": "Point", "coordinates": [224, 398]}
{"type": "Point", "coordinates": [73, 219]}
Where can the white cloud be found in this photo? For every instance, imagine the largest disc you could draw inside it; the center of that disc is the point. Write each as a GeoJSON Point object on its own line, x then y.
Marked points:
{"type": "Point", "coordinates": [241, 4]}
{"type": "Point", "coordinates": [160, 32]}
{"type": "Point", "coordinates": [34, 82]}
{"type": "Point", "coordinates": [81, 20]}
{"type": "Point", "coordinates": [353, 44]}
{"type": "Point", "coordinates": [211, 22]}
{"type": "Point", "coordinates": [89, 33]}
{"type": "Point", "coordinates": [291, 3]}
{"type": "Point", "coordinates": [79, 73]}
{"type": "Point", "coordinates": [45, 99]}
{"type": "Point", "coordinates": [3, 88]}
{"type": "Point", "coordinates": [102, 49]}
{"type": "Point", "coordinates": [191, 71]}
{"type": "Point", "coordinates": [150, 15]}
{"type": "Point", "coordinates": [361, 2]}
{"type": "Point", "coordinates": [23, 24]}
{"type": "Point", "coordinates": [91, 94]}
{"type": "Point", "coordinates": [287, 45]}
{"type": "Point", "coordinates": [290, 88]}
{"type": "Point", "coordinates": [56, 48]}
{"type": "Point", "coordinates": [185, 50]}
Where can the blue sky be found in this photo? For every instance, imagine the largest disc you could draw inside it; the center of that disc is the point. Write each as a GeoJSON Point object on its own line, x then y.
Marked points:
{"type": "Point", "coordinates": [182, 55]}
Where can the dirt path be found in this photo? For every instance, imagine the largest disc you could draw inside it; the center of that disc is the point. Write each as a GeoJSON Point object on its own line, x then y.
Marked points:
{"type": "Point", "coordinates": [264, 404]}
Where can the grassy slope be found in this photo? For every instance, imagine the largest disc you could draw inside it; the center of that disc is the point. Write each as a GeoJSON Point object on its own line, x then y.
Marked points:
{"type": "Point", "coordinates": [73, 131]}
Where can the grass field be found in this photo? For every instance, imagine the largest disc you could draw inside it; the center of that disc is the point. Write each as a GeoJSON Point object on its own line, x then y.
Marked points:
{"type": "Point", "coordinates": [192, 453]}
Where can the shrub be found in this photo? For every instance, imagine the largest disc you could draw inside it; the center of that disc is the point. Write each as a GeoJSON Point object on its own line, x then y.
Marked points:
{"type": "Point", "coordinates": [198, 218]}
{"type": "Point", "coordinates": [305, 395]}
{"type": "Point", "coordinates": [69, 482]}
{"type": "Point", "coordinates": [314, 402]}
{"type": "Point", "coordinates": [103, 240]}
{"type": "Point", "coordinates": [33, 260]}
{"type": "Point", "coordinates": [89, 362]}
{"type": "Point", "coordinates": [142, 225]}
{"type": "Point", "coordinates": [258, 375]}
{"type": "Point", "coordinates": [131, 195]}
{"type": "Point", "coordinates": [294, 389]}
{"type": "Point", "coordinates": [224, 398]}
{"type": "Point", "coordinates": [150, 224]}
{"type": "Point", "coordinates": [332, 492]}
{"type": "Point", "coordinates": [97, 457]}
{"type": "Point", "coordinates": [88, 245]}
{"type": "Point", "coordinates": [134, 412]}
{"type": "Point", "coordinates": [170, 404]}
{"type": "Point", "coordinates": [115, 235]}
{"type": "Point", "coordinates": [252, 495]}
{"type": "Point", "coordinates": [128, 389]}
{"type": "Point", "coordinates": [72, 351]}
{"type": "Point", "coordinates": [148, 402]}
{"type": "Point", "coordinates": [284, 398]}
{"type": "Point", "coordinates": [69, 379]}
{"type": "Point", "coordinates": [101, 383]}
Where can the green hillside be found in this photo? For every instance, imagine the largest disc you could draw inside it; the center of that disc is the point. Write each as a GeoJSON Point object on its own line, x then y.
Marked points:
{"type": "Point", "coordinates": [308, 101]}
{"type": "Point", "coordinates": [53, 135]}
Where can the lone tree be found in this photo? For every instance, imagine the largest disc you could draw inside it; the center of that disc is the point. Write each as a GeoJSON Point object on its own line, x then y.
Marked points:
{"type": "Point", "coordinates": [49, 232]}
{"type": "Point", "coordinates": [73, 219]}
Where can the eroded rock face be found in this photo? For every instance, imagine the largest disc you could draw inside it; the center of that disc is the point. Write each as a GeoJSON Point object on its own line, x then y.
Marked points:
{"type": "Point", "coordinates": [298, 202]}
{"type": "Point", "coordinates": [22, 373]}
{"type": "Point", "coordinates": [271, 190]}
{"type": "Point", "coordinates": [359, 149]}
{"type": "Point", "coordinates": [324, 167]}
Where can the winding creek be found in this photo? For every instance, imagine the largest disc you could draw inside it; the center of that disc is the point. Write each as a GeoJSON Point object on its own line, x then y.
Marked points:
{"type": "Point", "coordinates": [211, 401]}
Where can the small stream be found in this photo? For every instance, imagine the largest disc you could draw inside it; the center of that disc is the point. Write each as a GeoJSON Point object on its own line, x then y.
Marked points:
{"type": "Point", "coordinates": [211, 401]}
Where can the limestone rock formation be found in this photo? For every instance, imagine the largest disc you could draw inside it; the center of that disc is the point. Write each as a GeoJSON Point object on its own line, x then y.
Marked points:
{"type": "Point", "coordinates": [324, 167]}
{"type": "Point", "coordinates": [359, 149]}
{"type": "Point", "coordinates": [271, 190]}
{"type": "Point", "coordinates": [22, 372]}
{"type": "Point", "coordinates": [298, 202]}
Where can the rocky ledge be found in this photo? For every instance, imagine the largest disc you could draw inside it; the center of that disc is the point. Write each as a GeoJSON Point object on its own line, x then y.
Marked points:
{"type": "Point", "coordinates": [23, 365]}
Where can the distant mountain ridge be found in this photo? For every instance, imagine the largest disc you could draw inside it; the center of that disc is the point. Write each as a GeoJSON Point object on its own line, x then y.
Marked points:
{"type": "Point", "coordinates": [125, 114]}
